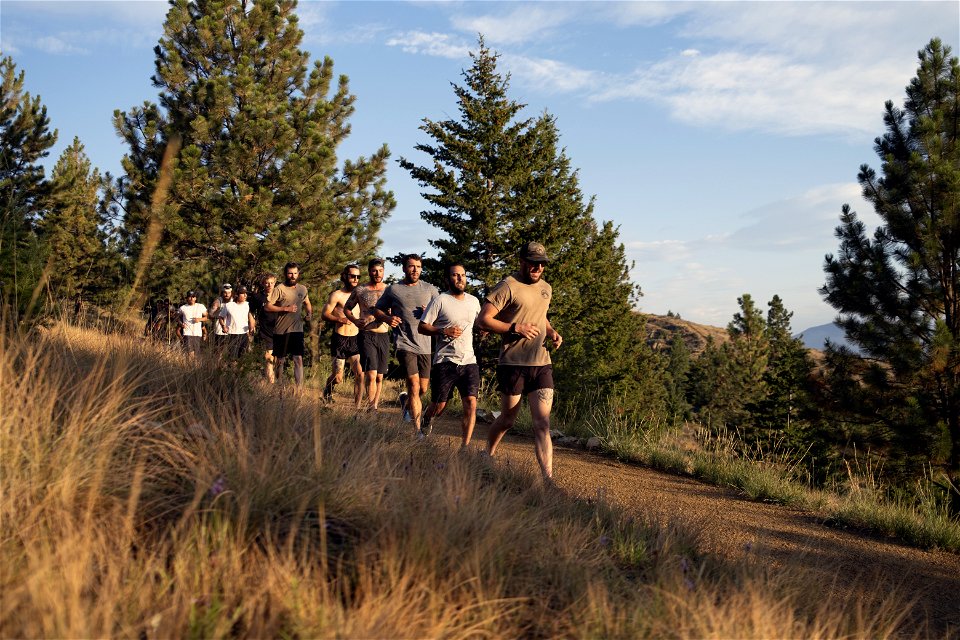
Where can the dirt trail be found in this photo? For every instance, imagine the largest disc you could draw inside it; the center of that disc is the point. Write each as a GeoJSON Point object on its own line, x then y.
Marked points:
{"type": "Point", "coordinates": [734, 527]}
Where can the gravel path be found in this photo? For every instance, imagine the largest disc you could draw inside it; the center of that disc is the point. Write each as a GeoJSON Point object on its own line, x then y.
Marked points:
{"type": "Point", "coordinates": [734, 528]}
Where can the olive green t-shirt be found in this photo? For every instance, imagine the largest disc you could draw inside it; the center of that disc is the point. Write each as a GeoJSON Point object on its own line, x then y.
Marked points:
{"type": "Point", "coordinates": [527, 304]}
{"type": "Point", "coordinates": [284, 296]}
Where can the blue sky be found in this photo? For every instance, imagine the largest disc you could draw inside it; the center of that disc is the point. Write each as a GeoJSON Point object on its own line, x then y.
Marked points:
{"type": "Point", "coordinates": [722, 137]}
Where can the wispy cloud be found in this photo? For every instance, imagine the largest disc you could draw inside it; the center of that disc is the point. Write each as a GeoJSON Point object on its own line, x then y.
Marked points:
{"type": "Point", "coordinates": [800, 223]}
{"type": "Point", "coordinates": [320, 30]}
{"type": "Point", "coordinates": [642, 14]}
{"type": "Point", "coordinates": [787, 68]}
{"type": "Point", "coordinates": [57, 45]}
{"type": "Point", "coordinates": [521, 24]}
{"type": "Point", "coordinates": [786, 240]}
{"type": "Point", "coordinates": [129, 24]}
{"type": "Point", "coordinates": [432, 44]}
{"type": "Point", "coordinates": [660, 251]}
{"type": "Point", "coordinates": [551, 76]}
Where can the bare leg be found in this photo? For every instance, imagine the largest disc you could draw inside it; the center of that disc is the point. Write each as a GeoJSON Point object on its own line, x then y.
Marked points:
{"type": "Point", "coordinates": [432, 411]}
{"type": "Point", "coordinates": [335, 378]}
{"type": "Point", "coordinates": [370, 379]}
{"type": "Point", "coordinates": [298, 370]}
{"type": "Point", "coordinates": [541, 402]}
{"type": "Point", "coordinates": [469, 418]}
{"type": "Point", "coordinates": [278, 366]}
{"type": "Point", "coordinates": [357, 380]}
{"type": "Point", "coordinates": [414, 404]}
{"type": "Point", "coordinates": [509, 408]}
{"type": "Point", "coordinates": [376, 400]}
{"type": "Point", "coordinates": [268, 361]}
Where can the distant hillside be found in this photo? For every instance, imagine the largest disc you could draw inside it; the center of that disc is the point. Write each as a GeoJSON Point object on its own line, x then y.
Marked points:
{"type": "Point", "coordinates": [660, 330]}
{"type": "Point", "coordinates": [816, 337]}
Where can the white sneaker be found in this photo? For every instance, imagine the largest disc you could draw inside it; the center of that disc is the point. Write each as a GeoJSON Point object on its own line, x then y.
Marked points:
{"type": "Point", "coordinates": [420, 436]}
{"type": "Point", "coordinates": [428, 427]}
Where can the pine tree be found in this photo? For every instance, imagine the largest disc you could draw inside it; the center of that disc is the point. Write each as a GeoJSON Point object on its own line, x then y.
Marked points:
{"type": "Point", "coordinates": [496, 180]}
{"type": "Point", "coordinates": [73, 230]}
{"type": "Point", "coordinates": [705, 388]}
{"type": "Point", "coordinates": [785, 379]}
{"type": "Point", "coordinates": [730, 377]}
{"type": "Point", "coordinates": [256, 181]}
{"type": "Point", "coordinates": [25, 139]}
{"type": "Point", "coordinates": [676, 379]}
{"type": "Point", "coordinates": [898, 295]}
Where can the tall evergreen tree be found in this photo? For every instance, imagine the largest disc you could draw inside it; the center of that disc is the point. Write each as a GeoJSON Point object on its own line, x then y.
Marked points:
{"type": "Point", "coordinates": [676, 378]}
{"type": "Point", "coordinates": [256, 182]}
{"type": "Point", "coordinates": [898, 295]}
{"type": "Point", "coordinates": [25, 139]}
{"type": "Point", "coordinates": [72, 229]}
{"type": "Point", "coordinates": [786, 376]}
{"type": "Point", "coordinates": [730, 377]}
{"type": "Point", "coordinates": [496, 180]}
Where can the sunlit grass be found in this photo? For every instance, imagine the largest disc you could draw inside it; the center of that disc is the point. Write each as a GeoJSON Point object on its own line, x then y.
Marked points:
{"type": "Point", "coordinates": [144, 495]}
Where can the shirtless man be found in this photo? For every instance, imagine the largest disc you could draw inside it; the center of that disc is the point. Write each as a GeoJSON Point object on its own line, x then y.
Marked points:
{"type": "Point", "coordinates": [374, 335]}
{"type": "Point", "coordinates": [344, 342]}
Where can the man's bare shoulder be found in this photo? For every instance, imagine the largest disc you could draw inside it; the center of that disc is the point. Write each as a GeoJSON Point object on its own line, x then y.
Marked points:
{"type": "Point", "coordinates": [339, 296]}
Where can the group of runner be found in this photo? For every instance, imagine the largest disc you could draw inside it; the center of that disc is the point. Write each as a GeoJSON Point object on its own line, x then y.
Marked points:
{"type": "Point", "coordinates": [363, 316]}
{"type": "Point", "coordinates": [275, 315]}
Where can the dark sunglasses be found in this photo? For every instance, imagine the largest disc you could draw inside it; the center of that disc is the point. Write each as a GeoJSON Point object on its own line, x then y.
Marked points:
{"type": "Point", "coordinates": [534, 263]}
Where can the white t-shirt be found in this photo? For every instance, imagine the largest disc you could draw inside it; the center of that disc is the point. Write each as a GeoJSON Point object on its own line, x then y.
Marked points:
{"type": "Point", "coordinates": [236, 315]}
{"type": "Point", "coordinates": [189, 313]}
{"type": "Point", "coordinates": [446, 311]}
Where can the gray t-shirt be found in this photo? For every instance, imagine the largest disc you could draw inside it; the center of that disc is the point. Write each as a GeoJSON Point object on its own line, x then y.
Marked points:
{"type": "Point", "coordinates": [408, 301]}
{"type": "Point", "coordinates": [447, 311]}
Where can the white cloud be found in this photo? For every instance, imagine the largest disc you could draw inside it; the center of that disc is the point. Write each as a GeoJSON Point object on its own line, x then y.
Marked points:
{"type": "Point", "coordinates": [56, 45]}
{"type": "Point", "coordinates": [432, 44]}
{"type": "Point", "coordinates": [129, 24]}
{"type": "Point", "coordinates": [659, 250]}
{"type": "Point", "coordinates": [520, 25]}
{"type": "Point", "coordinates": [777, 249]}
{"type": "Point", "coordinates": [787, 68]}
{"type": "Point", "coordinates": [803, 223]}
{"type": "Point", "coordinates": [646, 14]}
{"type": "Point", "coordinates": [550, 76]}
{"type": "Point", "coordinates": [768, 92]}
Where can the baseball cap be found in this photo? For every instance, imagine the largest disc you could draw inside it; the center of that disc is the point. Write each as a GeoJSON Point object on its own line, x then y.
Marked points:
{"type": "Point", "coordinates": [191, 294]}
{"type": "Point", "coordinates": [226, 285]}
{"type": "Point", "coordinates": [534, 252]}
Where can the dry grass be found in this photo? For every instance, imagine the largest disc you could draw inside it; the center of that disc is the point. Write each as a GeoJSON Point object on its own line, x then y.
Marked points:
{"type": "Point", "coordinates": [143, 496]}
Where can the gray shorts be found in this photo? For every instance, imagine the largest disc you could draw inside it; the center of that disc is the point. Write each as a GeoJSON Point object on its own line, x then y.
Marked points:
{"type": "Point", "coordinates": [374, 351]}
{"type": "Point", "coordinates": [414, 363]}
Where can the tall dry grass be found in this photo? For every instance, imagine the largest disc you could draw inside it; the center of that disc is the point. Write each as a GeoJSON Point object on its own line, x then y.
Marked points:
{"type": "Point", "coordinates": [146, 496]}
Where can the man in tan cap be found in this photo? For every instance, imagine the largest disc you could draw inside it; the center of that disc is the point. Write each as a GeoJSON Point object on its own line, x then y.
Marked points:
{"type": "Point", "coordinates": [517, 309]}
